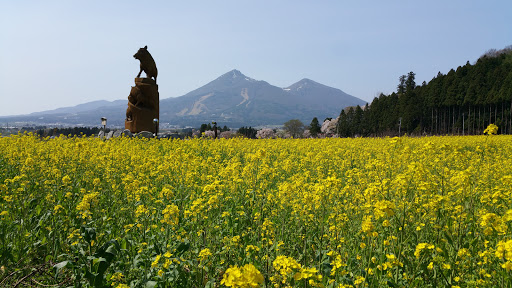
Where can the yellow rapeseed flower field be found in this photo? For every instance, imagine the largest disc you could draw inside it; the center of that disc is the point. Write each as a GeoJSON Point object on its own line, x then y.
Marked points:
{"type": "Point", "coordinates": [382, 212]}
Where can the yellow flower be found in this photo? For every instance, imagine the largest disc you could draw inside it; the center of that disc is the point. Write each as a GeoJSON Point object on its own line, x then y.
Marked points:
{"type": "Point", "coordinates": [491, 130]}
{"type": "Point", "coordinates": [359, 280]}
{"type": "Point", "coordinates": [141, 209]}
{"type": "Point", "coordinates": [155, 263]}
{"type": "Point", "coordinates": [305, 273]}
{"type": "Point", "coordinates": [463, 253]}
{"type": "Point", "coordinates": [367, 225]}
{"type": "Point", "coordinates": [507, 265]}
{"type": "Point", "coordinates": [167, 263]}
{"type": "Point", "coordinates": [252, 247]}
{"type": "Point", "coordinates": [244, 277]}
{"type": "Point", "coordinates": [57, 208]}
{"type": "Point", "coordinates": [297, 196]}
{"type": "Point", "coordinates": [204, 254]}
{"type": "Point", "coordinates": [171, 215]}
{"type": "Point", "coordinates": [422, 246]}
{"type": "Point", "coordinates": [87, 203]}
{"type": "Point", "coordinates": [66, 180]}
{"type": "Point", "coordinates": [286, 266]}
{"type": "Point", "coordinates": [384, 208]}
{"type": "Point", "coordinates": [504, 250]}
{"type": "Point", "coordinates": [117, 276]}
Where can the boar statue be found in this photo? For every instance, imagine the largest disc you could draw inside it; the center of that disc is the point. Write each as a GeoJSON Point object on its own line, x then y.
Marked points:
{"type": "Point", "coordinates": [147, 64]}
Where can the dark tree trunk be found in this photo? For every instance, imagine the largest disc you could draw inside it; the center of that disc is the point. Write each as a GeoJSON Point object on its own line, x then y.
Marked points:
{"type": "Point", "coordinates": [469, 119]}
{"type": "Point", "coordinates": [490, 115]}
{"type": "Point", "coordinates": [479, 123]}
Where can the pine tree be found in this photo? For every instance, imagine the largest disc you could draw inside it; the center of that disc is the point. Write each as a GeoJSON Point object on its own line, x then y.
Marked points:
{"type": "Point", "coordinates": [203, 128]}
{"type": "Point", "coordinates": [314, 127]}
{"type": "Point", "coordinates": [342, 126]}
{"type": "Point", "coordinates": [400, 89]}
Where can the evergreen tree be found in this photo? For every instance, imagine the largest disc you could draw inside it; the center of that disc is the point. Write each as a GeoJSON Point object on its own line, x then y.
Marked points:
{"type": "Point", "coordinates": [350, 122]}
{"type": "Point", "coordinates": [357, 121]}
{"type": "Point", "coordinates": [464, 101]}
{"type": "Point", "coordinates": [400, 89]}
{"type": "Point", "coordinates": [365, 121]}
{"type": "Point", "coordinates": [203, 128]}
{"type": "Point", "coordinates": [342, 126]}
{"type": "Point", "coordinates": [314, 127]}
{"type": "Point", "coordinates": [410, 84]}
{"type": "Point", "coordinates": [248, 132]}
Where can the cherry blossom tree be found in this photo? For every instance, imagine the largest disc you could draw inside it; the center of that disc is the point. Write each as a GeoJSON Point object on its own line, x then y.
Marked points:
{"type": "Point", "coordinates": [265, 133]}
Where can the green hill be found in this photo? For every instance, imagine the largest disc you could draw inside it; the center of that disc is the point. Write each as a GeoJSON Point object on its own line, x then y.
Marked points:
{"type": "Point", "coordinates": [464, 101]}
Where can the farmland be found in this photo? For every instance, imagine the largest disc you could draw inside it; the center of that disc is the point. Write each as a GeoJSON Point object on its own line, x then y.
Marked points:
{"type": "Point", "coordinates": [397, 212]}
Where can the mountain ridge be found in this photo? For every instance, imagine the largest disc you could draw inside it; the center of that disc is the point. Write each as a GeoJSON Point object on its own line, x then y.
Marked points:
{"type": "Point", "coordinates": [232, 99]}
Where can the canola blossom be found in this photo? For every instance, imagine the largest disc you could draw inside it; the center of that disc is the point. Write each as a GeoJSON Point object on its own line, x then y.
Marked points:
{"type": "Point", "coordinates": [382, 212]}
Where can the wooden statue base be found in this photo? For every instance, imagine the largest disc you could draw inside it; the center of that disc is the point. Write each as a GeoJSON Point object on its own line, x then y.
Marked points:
{"type": "Point", "coordinates": [143, 106]}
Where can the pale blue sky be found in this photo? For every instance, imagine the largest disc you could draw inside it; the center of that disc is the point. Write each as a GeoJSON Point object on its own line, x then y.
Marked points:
{"type": "Point", "coordinates": [63, 53]}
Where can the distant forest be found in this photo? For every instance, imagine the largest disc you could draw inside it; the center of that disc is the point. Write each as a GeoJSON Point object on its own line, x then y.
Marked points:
{"type": "Point", "coordinates": [463, 102]}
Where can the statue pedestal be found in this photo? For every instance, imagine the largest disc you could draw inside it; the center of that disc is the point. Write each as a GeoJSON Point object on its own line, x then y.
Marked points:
{"type": "Point", "coordinates": [143, 106]}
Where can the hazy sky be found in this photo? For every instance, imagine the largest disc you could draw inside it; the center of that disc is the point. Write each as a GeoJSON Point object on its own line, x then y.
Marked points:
{"type": "Point", "coordinates": [63, 53]}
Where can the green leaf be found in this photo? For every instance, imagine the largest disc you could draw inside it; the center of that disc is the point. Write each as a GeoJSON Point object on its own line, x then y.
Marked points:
{"type": "Point", "coordinates": [91, 277]}
{"type": "Point", "coordinates": [123, 244]}
{"type": "Point", "coordinates": [449, 238]}
{"type": "Point", "coordinates": [95, 261]}
{"type": "Point", "coordinates": [210, 284]}
{"type": "Point", "coordinates": [101, 269]}
{"type": "Point", "coordinates": [89, 234]}
{"type": "Point", "coordinates": [138, 261]}
{"type": "Point", "coordinates": [182, 247]}
{"type": "Point", "coordinates": [151, 284]}
{"type": "Point", "coordinates": [108, 250]}
{"type": "Point", "coordinates": [61, 265]}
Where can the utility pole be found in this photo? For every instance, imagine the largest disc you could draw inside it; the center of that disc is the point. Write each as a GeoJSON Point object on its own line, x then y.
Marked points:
{"type": "Point", "coordinates": [399, 125]}
{"type": "Point", "coordinates": [215, 129]}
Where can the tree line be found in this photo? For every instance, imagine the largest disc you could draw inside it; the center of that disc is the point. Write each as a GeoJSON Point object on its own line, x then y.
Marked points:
{"type": "Point", "coordinates": [462, 102]}
{"type": "Point", "coordinates": [69, 131]}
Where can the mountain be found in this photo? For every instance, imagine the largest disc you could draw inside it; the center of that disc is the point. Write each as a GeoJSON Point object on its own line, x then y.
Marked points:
{"type": "Point", "coordinates": [82, 107]}
{"type": "Point", "coordinates": [232, 99]}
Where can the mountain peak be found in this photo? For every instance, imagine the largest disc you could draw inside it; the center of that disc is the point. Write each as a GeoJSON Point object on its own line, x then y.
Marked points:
{"type": "Point", "coordinates": [306, 80]}
{"type": "Point", "coordinates": [302, 84]}
{"type": "Point", "coordinates": [234, 75]}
